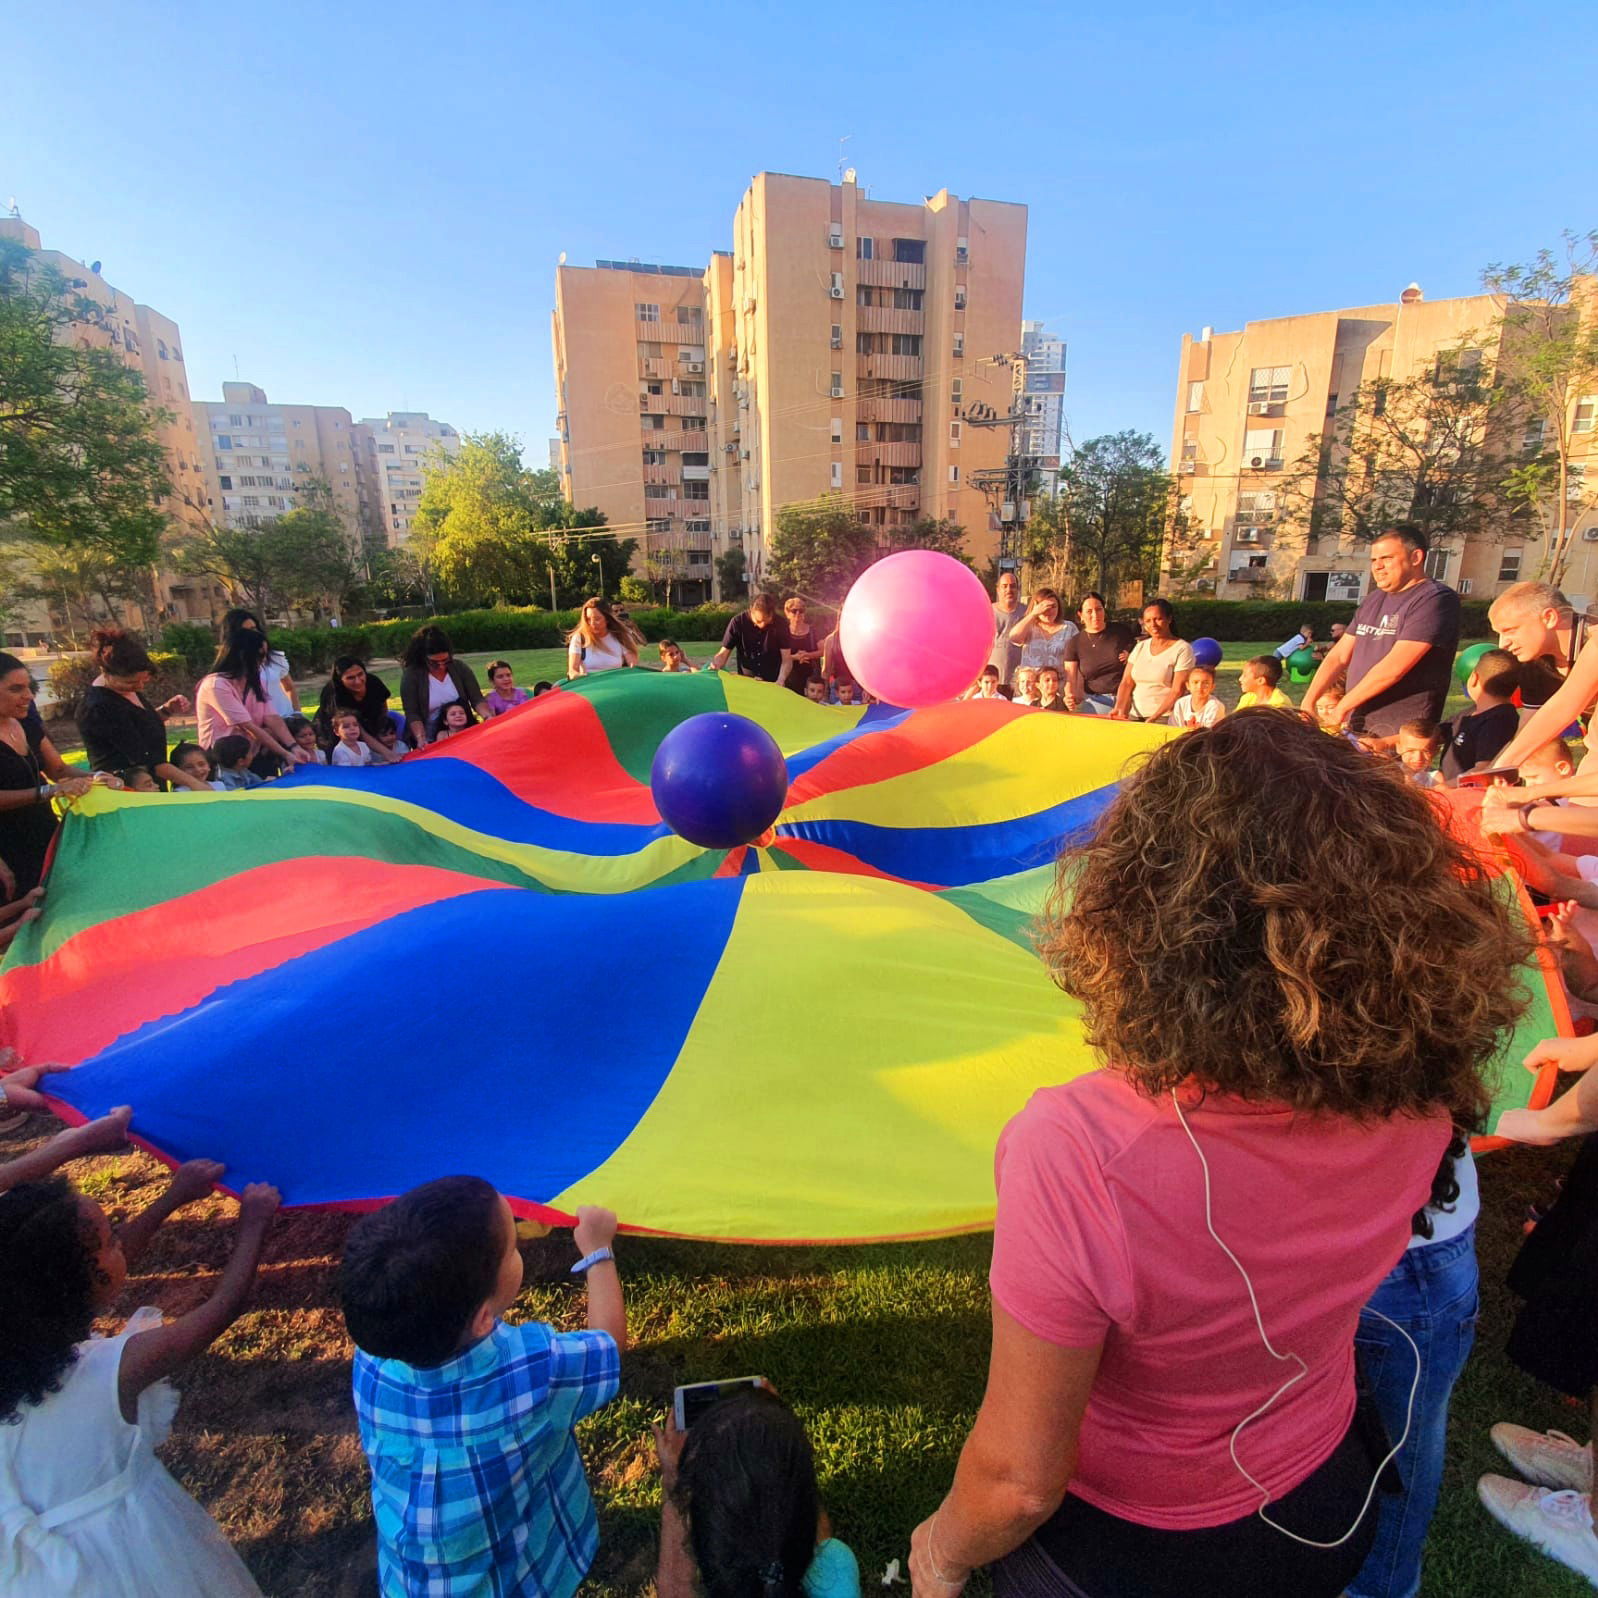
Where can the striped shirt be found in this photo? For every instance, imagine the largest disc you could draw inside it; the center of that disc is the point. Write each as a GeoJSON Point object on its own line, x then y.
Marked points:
{"type": "Point", "coordinates": [477, 1486]}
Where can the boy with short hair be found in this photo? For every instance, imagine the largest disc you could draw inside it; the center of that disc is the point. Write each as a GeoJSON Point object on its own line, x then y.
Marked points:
{"type": "Point", "coordinates": [467, 1422]}
{"type": "Point", "coordinates": [671, 656]}
{"type": "Point", "coordinates": [815, 690]}
{"type": "Point", "coordinates": [1478, 735]}
{"type": "Point", "coordinates": [233, 755]}
{"type": "Point", "coordinates": [844, 688]}
{"type": "Point", "coordinates": [304, 734]}
{"type": "Point", "coordinates": [139, 779]}
{"type": "Point", "coordinates": [986, 686]}
{"type": "Point", "coordinates": [1049, 696]}
{"type": "Point", "coordinates": [1198, 707]}
{"type": "Point", "coordinates": [1419, 743]}
{"type": "Point", "coordinates": [1258, 680]}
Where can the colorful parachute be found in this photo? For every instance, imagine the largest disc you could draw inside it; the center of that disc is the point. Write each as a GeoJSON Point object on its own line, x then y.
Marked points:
{"type": "Point", "coordinates": [494, 958]}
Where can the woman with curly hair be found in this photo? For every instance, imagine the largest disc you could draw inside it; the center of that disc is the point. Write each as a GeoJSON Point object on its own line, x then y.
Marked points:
{"type": "Point", "coordinates": [85, 1506]}
{"type": "Point", "coordinates": [1295, 976]}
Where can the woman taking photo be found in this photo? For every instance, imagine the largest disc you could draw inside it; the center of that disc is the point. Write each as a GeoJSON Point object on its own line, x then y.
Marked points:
{"type": "Point", "coordinates": [1285, 1085]}
{"type": "Point", "coordinates": [119, 726]}
{"type": "Point", "coordinates": [601, 641]}
{"type": "Point", "coordinates": [431, 677]}
{"type": "Point", "coordinates": [1157, 668]}
{"type": "Point", "coordinates": [352, 687]}
{"type": "Point", "coordinates": [232, 699]}
{"type": "Point", "coordinates": [1043, 632]}
{"type": "Point", "coordinates": [31, 775]}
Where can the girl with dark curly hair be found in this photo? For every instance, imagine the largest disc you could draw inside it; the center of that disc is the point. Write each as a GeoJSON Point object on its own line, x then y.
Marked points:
{"type": "Point", "coordinates": [86, 1505]}
{"type": "Point", "coordinates": [1295, 976]}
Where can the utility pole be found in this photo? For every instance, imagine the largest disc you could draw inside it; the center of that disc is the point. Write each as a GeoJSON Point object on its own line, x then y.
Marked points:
{"type": "Point", "coordinates": [1008, 486]}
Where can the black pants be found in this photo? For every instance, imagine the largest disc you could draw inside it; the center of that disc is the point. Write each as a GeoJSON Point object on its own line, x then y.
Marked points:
{"type": "Point", "coordinates": [1555, 1336]}
{"type": "Point", "coordinates": [1083, 1552]}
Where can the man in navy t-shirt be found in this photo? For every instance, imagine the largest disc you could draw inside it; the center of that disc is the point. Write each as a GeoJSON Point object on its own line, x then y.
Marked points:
{"type": "Point", "coordinates": [1399, 648]}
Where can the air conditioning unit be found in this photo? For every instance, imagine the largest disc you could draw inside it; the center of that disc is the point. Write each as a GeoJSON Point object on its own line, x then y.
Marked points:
{"type": "Point", "coordinates": [729, 449]}
{"type": "Point", "coordinates": [835, 238]}
{"type": "Point", "coordinates": [1464, 585]}
{"type": "Point", "coordinates": [1247, 535]}
{"type": "Point", "coordinates": [1205, 585]}
{"type": "Point", "coordinates": [1188, 468]}
{"type": "Point", "coordinates": [836, 291]}
{"type": "Point", "coordinates": [837, 343]}
{"type": "Point", "coordinates": [743, 455]}
{"type": "Point", "coordinates": [1257, 462]}
{"type": "Point", "coordinates": [1259, 407]}
{"type": "Point", "coordinates": [837, 391]}
{"type": "Point", "coordinates": [693, 366]}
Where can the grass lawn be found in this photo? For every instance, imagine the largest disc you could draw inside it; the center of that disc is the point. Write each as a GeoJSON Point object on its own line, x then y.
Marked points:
{"type": "Point", "coordinates": [882, 1350]}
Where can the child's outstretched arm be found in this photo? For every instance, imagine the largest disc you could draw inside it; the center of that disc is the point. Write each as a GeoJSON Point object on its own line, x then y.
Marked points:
{"type": "Point", "coordinates": [104, 1136]}
{"type": "Point", "coordinates": [189, 1182]}
{"type": "Point", "coordinates": [596, 1228]}
{"type": "Point", "coordinates": [148, 1356]}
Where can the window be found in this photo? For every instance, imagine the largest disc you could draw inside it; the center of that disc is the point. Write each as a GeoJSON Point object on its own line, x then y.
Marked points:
{"type": "Point", "coordinates": [654, 424]}
{"type": "Point", "coordinates": [959, 297]}
{"type": "Point", "coordinates": [907, 344]}
{"type": "Point", "coordinates": [698, 557]}
{"type": "Point", "coordinates": [962, 252]}
{"type": "Point", "coordinates": [1586, 414]}
{"type": "Point", "coordinates": [226, 482]}
{"type": "Point", "coordinates": [837, 474]}
{"type": "Point", "coordinates": [903, 475]}
{"type": "Point", "coordinates": [695, 458]}
{"type": "Point", "coordinates": [696, 488]}
{"type": "Point", "coordinates": [1509, 566]}
{"type": "Point", "coordinates": [1267, 385]}
{"type": "Point", "coordinates": [865, 248]}
{"type": "Point", "coordinates": [648, 313]}
{"type": "Point", "coordinates": [837, 335]}
{"type": "Point", "coordinates": [954, 435]}
{"type": "Point", "coordinates": [907, 299]}
{"type": "Point", "coordinates": [223, 441]}
{"type": "Point", "coordinates": [954, 474]}
{"type": "Point", "coordinates": [235, 421]}
{"type": "Point", "coordinates": [385, 449]}
{"type": "Point", "coordinates": [1262, 446]}
{"type": "Point", "coordinates": [865, 343]}
{"type": "Point", "coordinates": [837, 430]}
{"type": "Point", "coordinates": [837, 385]}
{"type": "Point", "coordinates": [862, 474]}
{"type": "Point", "coordinates": [1258, 507]}
{"type": "Point", "coordinates": [1437, 564]}
{"type": "Point", "coordinates": [956, 390]}
{"type": "Point", "coordinates": [959, 344]}
{"type": "Point", "coordinates": [909, 252]}
{"type": "Point", "coordinates": [864, 295]}
{"type": "Point", "coordinates": [688, 315]}
{"type": "Point", "coordinates": [1531, 440]}
{"type": "Point", "coordinates": [862, 432]}
{"type": "Point", "coordinates": [1195, 397]}
{"type": "Point", "coordinates": [1459, 366]}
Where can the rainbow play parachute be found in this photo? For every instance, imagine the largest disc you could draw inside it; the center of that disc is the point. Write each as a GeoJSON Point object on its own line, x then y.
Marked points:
{"type": "Point", "coordinates": [494, 958]}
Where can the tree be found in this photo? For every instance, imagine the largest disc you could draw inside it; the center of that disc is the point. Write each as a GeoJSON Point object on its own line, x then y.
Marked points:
{"type": "Point", "coordinates": [82, 472]}
{"type": "Point", "coordinates": [1106, 522]}
{"type": "Point", "coordinates": [1549, 326]}
{"type": "Point", "coordinates": [1424, 449]}
{"type": "Point", "coordinates": [818, 549]}
{"type": "Point", "coordinates": [301, 560]}
{"type": "Point", "coordinates": [493, 532]}
{"type": "Point", "coordinates": [730, 568]}
{"type": "Point", "coordinates": [943, 534]}
{"type": "Point", "coordinates": [634, 590]}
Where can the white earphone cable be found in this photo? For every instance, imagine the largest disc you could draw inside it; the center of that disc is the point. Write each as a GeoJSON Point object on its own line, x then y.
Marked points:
{"type": "Point", "coordinates": [1302, 1372]}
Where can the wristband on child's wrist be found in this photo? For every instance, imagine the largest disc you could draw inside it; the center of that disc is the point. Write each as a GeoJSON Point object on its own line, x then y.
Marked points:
{"type": "Point", "coordinates": [599, 1256]}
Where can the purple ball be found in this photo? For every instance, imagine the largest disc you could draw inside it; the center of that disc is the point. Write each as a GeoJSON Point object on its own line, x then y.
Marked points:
{"type": "Point", "coordinates": [1206, 652]}
{"type": "Point", "coordinates": [719, 780]}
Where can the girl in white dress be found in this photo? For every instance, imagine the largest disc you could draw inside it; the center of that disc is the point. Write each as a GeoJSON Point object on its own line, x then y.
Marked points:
{"type": "Point", "coordinates": [86, 1509]}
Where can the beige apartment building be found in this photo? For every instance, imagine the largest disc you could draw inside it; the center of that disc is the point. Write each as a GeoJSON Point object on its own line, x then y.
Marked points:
{"type": "Point", "coordinates": [842, 346]}
{"type": "Point", "coordinates": [1249, 402]}
{"type": "Point", "coordinates": [395, 448]}
{"type": "Point", "coordinates": [150, 343]}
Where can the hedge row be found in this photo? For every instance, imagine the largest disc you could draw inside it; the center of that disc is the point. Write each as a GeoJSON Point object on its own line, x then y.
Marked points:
{"type": "Point", "coordinates": [312, 649]}
{"type": "Point", "coordinates": [1270, 621]}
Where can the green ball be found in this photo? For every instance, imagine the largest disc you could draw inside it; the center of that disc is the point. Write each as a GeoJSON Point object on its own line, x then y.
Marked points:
{"type": "Point", "coordinates": [1301, 663]}
{"type": "Point", "coordinates": [1465, 661]}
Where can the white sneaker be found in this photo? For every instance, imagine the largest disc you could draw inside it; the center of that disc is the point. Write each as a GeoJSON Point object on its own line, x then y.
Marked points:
{"type": "Point", "coordinates": [1551, 1459]}
{"type": "Point", "coordinates": [1558, 1523]}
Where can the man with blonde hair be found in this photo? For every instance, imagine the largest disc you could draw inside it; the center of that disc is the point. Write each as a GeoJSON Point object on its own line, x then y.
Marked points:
{"type": "Point", "coordinates": [1534, 621]}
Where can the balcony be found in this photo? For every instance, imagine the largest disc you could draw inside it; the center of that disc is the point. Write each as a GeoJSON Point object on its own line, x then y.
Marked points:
{"type": "Point", "coordinates": [891, 274]}
{"type": "Point", "coordinates": [1249, 574]}
{"type": "Point", "coordinates": [888, 454]}
{"type": "Point", "coordinates": [653, 366]}
{"type": "Point", "coordinates": [662, 476]}
{"type": "Point", "coordinates": [678, 441]}
{"type": "Point", "coordinates": [889, 410]}
{"type": "Point", "coordinates": [666, 332]}
{"type": "Point", "coordinates": [661, 508]}
{"type": "Point", "coordinates": [672, 404]}
{"type": "Point", "coordinates": [889, 368]}
{"type": "Point", "coordinates": [883, 319]}
{"type": "Point", "coordinates": [696, 474]}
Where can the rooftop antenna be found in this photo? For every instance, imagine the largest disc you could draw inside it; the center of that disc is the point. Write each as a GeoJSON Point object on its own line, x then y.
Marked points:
{"type": "Point", "coordinates": [235, 368]}
{"type": "Point", "coordinates": [14, 211]}
{"type": "Point", "coordinates": [841, 142]}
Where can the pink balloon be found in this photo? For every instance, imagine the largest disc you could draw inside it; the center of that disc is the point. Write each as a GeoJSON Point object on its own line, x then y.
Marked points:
{"type": "Point", "coordinates": [917, 628]}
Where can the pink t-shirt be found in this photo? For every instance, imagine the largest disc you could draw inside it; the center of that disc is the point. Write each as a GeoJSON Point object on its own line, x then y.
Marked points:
{"type": "Point", "coordinates": [1100, 1239]}
{"type": "Point", "coordinates": [219, 707]}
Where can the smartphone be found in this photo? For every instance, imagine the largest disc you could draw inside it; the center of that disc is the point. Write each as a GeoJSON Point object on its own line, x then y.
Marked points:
{"type": "Point", "coordinates": [1485, 779]}
{"type": "Point", "coordinates": [691, 1401]}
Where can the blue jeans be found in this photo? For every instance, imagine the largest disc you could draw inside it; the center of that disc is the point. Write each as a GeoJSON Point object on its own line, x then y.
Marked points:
{"type": "Point", "coordinates": [1097, 704]}
{"type": "Point", "coordinates": [1433, 1294]}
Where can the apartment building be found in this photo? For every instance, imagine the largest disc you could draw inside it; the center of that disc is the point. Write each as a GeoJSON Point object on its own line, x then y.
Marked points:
{"type": "Point", "coordinates": [1249, 402]}
{"type": "Point", "coordinates": [149, 342]}
{"type": "Point", "coordinates": [1044, 434]}
{"type": "Point", "coordinates": [260, 455]}
{"type": "Point", "coordinates": [395, 448]}
{"type": "Point", "coordinates": [844, 345]}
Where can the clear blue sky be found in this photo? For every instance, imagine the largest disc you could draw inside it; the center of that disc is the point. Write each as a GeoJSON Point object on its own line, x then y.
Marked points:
{"type": "Point", "coordinates": [365, 203]}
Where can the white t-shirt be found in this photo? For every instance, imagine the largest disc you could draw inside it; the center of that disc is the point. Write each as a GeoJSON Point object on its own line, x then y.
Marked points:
{"type": "Point", "coordinates": [343, 755]}
{"type": "Point", "coordinates": [439, 693]}
{"type": "Point", "coordinates": [1183, 712]}
{"type": "Point", "coordinates": [1153, 674]}
{"type": "Point", "coordinates": [273, 670]}
{"type": "Point", "coordinates": [606, 655]}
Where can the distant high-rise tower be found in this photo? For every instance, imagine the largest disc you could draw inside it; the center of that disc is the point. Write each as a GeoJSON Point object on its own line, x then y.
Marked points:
{"type": "Point", "coordinates": [1045, 397]}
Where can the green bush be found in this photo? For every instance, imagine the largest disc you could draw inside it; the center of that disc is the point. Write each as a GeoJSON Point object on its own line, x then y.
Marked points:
{"type": "Point", "coordinates": [71, 675]}
{"type": "Point", "coordinates": [192, 640]}
{"type": "Point", "coordinates": [1272, 621]}
{"type": "Point", "coordinates": [314, 649]}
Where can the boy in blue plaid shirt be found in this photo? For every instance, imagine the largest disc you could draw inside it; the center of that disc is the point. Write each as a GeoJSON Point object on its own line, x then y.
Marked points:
{"type": "Point", "coordinates": [477, 1485]}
